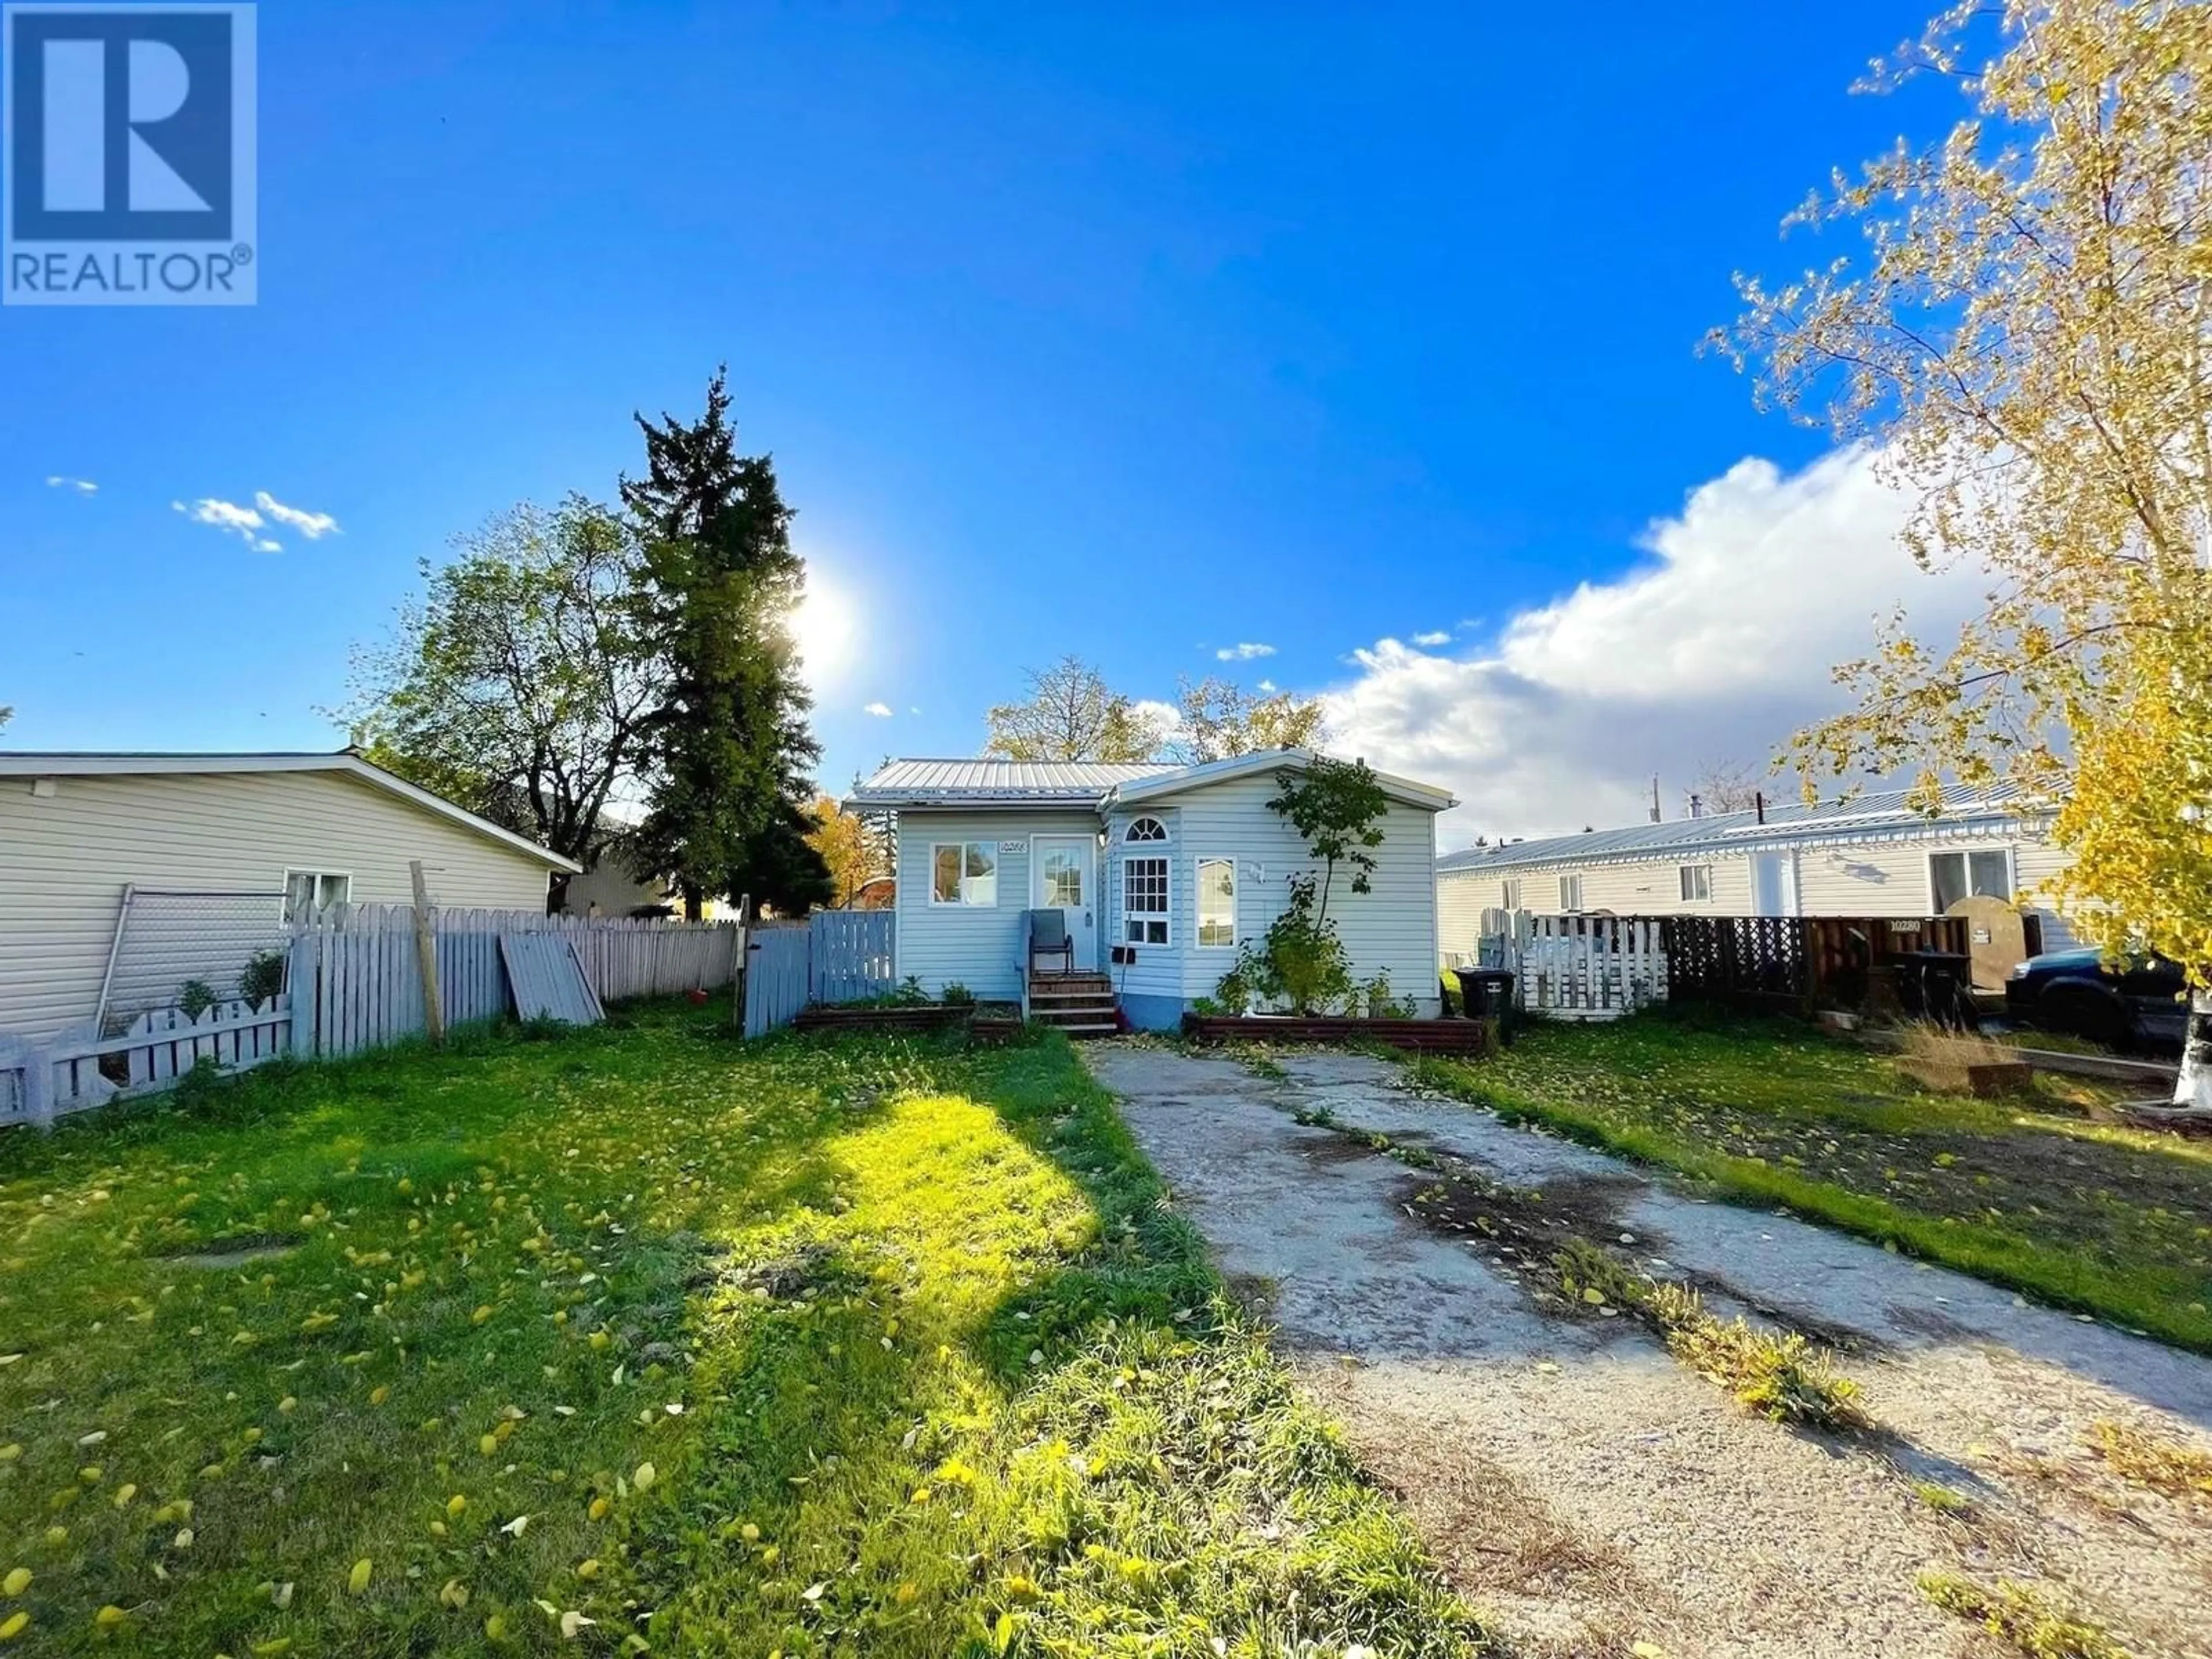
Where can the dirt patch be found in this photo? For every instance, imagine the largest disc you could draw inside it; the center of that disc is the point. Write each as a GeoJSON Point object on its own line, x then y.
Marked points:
{"type": "Point", "coordinates": [1495, 1536]}
{"type": "Point", "coordinates": [240, 1250]}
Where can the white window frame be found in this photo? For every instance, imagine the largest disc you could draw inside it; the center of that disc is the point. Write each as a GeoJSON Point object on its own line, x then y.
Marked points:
{"type": "Point", "coordinates": [1130, 838]}
{"type": "Point", "coordinates": [1165, 916]}
{"type": "Point", "coordinates": [1966, 854]}
{"type": "Point", "coordinates": [1509, 890]}
{"type": "Point", "coordinates": [320, 876]}
{"type": "Point", "coordinates": [1690, 876]}
{"type": "Point", "coordinates": [964, 901]}
{"type": "Point", "coordinates": [1571, 894]}
{"type": "Point", "coordinates": [1198, 903]}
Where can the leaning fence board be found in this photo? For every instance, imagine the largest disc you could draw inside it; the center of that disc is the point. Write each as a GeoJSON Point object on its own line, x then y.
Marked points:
{"type": "Point", "coordinates": [549, 980]}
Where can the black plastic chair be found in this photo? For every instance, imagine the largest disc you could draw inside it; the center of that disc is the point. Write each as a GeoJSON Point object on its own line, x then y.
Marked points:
{"type": "Point", "coordinates": [1049, 937]}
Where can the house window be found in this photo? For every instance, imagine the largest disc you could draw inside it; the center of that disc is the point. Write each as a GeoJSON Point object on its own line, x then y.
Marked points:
{"type": "Point", "coordinates": [1571, 893]}
{"type": "Point", "coordinates": [1954, 876]}
{"type": "Point", "coordinates": [1510, 894]}
{"type": "Point", "coordinates": [309, 893]}
{"type": "Point", "coordinates": [1146, 830]}
{"type": "Point", "coordinates": [964, 872]}
{"type": "Point", "coordinates": [1145, 901]}
{"type": "Point", "coordinates": [1697, 882]}
{"type": "Point", "coordinates": [1216, 903]}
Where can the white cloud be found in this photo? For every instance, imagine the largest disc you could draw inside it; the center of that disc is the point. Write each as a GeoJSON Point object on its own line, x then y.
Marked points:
{"type": "Point", "coordinates": [1163, 717]}
{"type": "Point", "coordinates": [1269, 687]}
{"type": "Point", "coordinates": [314, 526]}
{"type": "Point", "coordinates": [1442, 637]}
{"type": "Point", "coordinates": [1717, 649]}
{"type": "Point", "coordinates": [83, 486]}
{"type": "Point", "coordinates": [882, 711]}
{"type": "Point", "coordinates": [227, 516]}
{"type": "Point", "coordinates": [1244, 652]}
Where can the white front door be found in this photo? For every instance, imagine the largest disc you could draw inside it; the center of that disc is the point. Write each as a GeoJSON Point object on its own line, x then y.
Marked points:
{"type": "Point", "coordinates": [1060, 878]}
{"type": "Point", "coordinates": [1774, 885]}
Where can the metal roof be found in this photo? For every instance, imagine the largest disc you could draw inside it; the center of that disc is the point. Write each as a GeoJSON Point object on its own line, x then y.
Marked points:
{"type": "Point", "coordinates": [1102, 784]}
{"type": "Point", "coordinates": [1877, 814]}
{"type": "Point", "coordinates": [998, 782]}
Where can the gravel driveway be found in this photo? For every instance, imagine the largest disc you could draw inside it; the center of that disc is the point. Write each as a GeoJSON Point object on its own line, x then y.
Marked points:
{"type": "Point", "coordinates": [1590, 1492]}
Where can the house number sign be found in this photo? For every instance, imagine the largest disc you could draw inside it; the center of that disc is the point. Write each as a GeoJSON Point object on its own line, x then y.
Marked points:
{"type": "Point", "coordinates": [1006, 847]}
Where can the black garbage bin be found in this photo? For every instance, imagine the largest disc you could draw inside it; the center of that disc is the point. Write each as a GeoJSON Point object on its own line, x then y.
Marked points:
{"type": "Point", "coordinates": [1487, 993]}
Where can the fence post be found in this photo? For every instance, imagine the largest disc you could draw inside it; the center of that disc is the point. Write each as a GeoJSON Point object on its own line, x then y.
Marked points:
{"type": "Point", "coordinates": [426, 955]}
{"type": "Point", "coordinates": [300, 980]}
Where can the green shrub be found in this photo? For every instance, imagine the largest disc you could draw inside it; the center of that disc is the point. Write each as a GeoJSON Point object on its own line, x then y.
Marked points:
{"type": "Point", "coordinates": [263, 978]}
{"type": "Point", "coordinates": [196, 997]}
{"type": "Point", "coordinates": [957, 995]}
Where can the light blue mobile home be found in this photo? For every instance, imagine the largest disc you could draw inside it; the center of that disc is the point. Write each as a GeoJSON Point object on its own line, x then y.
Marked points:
{"type": "Point", "coordinates": [1161, 872]}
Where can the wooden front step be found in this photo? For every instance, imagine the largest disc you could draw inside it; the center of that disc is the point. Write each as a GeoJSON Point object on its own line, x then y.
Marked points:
{"type": "Point", "coordinates": [1079, 1004]}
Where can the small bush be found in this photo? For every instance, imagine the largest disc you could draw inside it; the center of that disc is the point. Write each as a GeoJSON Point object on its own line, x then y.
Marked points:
{"type": "Point", "coordinates": [2022, 1616]}
{"type": "Point", "coordinates": [957, 995]}
{"type": "Point", "coordinates": [263, 978]}
{"type": "Point", "coordinates": [196, 997]}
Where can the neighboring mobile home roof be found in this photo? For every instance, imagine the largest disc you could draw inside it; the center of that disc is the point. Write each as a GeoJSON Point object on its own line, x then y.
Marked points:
{"type": "Point", "coordinates": [1882, 816]}
{"type": "Point", "coordinates": [996, 784]}
{"type": "Point", "coordinates": [26, 763]}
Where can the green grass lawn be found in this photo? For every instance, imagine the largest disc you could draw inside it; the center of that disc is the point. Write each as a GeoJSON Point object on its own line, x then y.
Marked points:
{"type": "Point", "coordinates": [2033, 1193]}
{"type": "Point", "coordinates": [641, 1337]}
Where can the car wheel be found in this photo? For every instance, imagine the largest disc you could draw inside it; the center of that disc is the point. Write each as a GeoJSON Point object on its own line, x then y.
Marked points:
{"type": "Point", "coordinates": [2084, 1013]}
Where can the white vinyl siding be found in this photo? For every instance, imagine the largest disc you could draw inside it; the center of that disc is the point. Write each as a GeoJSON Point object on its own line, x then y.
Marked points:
{"type": "Point", "coordinates": [1834, 879]}
{"type": "Point", "coordinates": [65, 859]}
{"type": "Point", "coordinates": [971, 944]}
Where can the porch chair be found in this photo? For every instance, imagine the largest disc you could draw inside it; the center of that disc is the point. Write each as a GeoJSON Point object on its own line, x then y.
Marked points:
{"type": "Point", "coordinates": [1049, 937]}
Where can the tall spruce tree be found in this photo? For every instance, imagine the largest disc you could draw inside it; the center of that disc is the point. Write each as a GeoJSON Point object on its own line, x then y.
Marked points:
{"type": "Point", "coordinates": [730, 809]}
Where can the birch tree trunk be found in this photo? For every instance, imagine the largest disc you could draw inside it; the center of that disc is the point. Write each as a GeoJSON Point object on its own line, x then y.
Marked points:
{"type": "Point", "coordinates": [2192, 1090]}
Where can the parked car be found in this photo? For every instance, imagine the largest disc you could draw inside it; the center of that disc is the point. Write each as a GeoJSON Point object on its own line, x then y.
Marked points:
{"type": "Point", "coordinates": [2110, 1002]}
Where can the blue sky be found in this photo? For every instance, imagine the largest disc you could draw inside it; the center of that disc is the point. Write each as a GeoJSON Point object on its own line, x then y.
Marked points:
{"type": "Point", "coordinates": [1124, 332]}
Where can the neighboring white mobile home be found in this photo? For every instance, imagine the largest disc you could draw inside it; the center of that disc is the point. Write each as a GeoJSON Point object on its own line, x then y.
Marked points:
{"type": "Point", "coordinates": [218, 853]}
{"type": "Point", "coordinates": [1162, 873]}
{"type": "Point", "coordinates": [1877, 855]}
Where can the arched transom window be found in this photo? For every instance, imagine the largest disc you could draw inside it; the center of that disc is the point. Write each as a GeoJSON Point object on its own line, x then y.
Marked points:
{"type": "Point", "coordinates": [1146, 830]}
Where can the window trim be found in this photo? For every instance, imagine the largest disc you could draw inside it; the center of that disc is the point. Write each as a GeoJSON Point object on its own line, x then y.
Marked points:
{"type": "Point", "coordinates": [1198, 901]}
{"type": "Point", "coordinates": [1565, 908]}
{"type": "Point", "coordinates": [2010, 850]}
{"type": "Point", "coordinates": [964, 902]}
{"type": "Point", "coordinates": [1165, 915]}
{"type": "Point", "coordinates": [1130, 838]}
{"type": "Point", "coordinates": [322, 875]}
{"type": "Point", "coordinates": [1509, 890]}
{"type": "Point", "coordinates": [1682, 874]}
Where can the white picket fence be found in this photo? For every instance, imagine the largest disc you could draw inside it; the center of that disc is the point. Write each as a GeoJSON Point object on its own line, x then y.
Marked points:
{"type": "Point", "coordinates": [355, 984]}
{"type": "Point", "coordinates": [41, 1081]}
{"type": "Point", "coordinates": [1576, 967]}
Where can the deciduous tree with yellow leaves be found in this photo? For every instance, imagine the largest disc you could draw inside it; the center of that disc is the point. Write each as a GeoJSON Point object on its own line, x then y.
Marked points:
{"type": "Point", "coordinates": [2020, 329]}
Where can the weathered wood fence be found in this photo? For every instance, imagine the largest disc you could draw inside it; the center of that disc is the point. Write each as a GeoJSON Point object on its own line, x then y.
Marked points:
{"type": "Point", "coordinates": [39, 1082]}
{"type": "Point", "coordinates": [1799, 964]}
{"type": "Point", "coordinates": [353, 983]}
{"type": "Point", "coordinates": [776, 971]}
{"type": "Point", "coordinates": [835, 956]}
